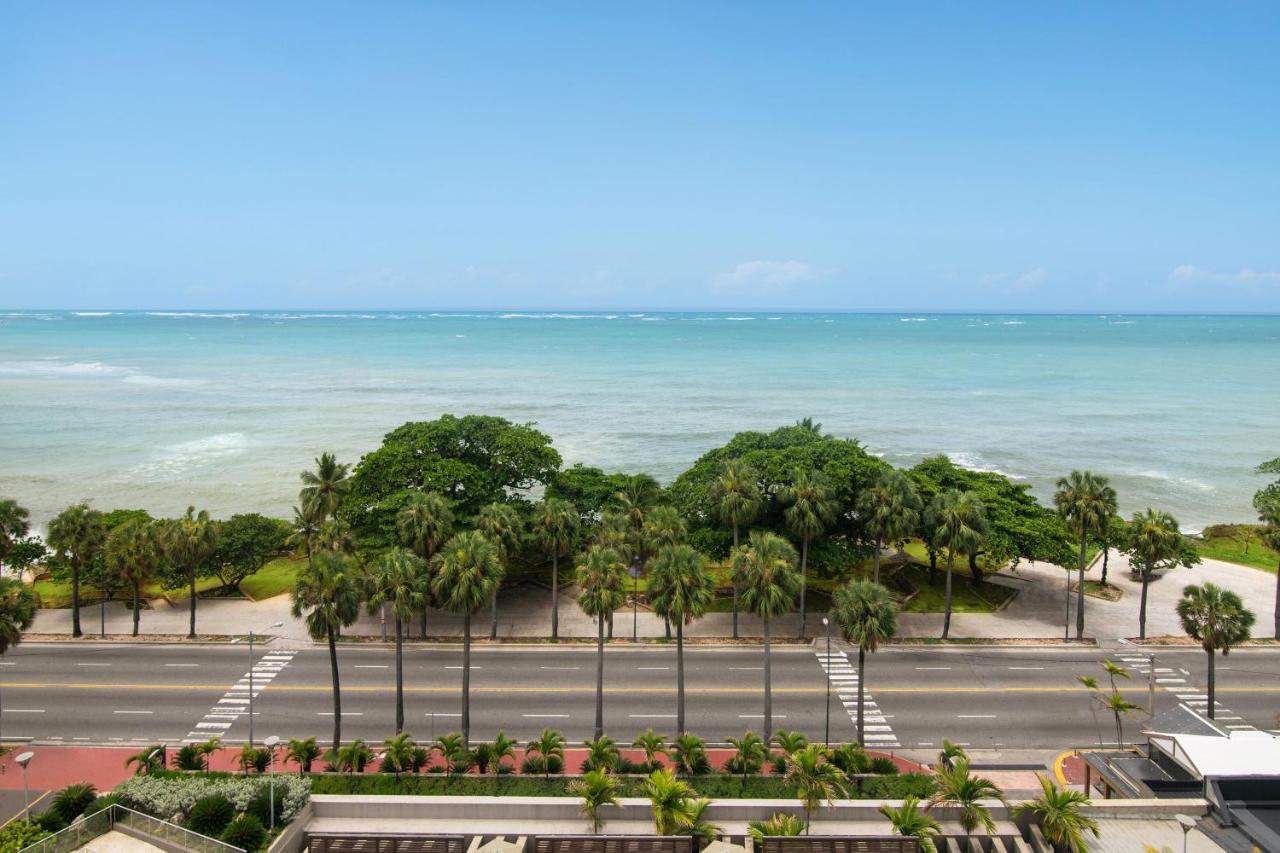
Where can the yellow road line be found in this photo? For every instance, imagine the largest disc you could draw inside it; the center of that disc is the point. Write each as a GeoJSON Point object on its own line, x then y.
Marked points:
{"type": "Point", "coordinates": [20, 812]}
{"type": "Point", "coordinates": [1057, 766]}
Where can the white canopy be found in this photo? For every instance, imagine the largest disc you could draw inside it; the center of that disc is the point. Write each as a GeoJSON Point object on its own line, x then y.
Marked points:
{"type": "Point", "coordinates": [1241, 753]}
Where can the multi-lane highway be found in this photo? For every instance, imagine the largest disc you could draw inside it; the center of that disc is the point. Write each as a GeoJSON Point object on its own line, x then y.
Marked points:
{"type": "Point", "coordinates": [987, 697]}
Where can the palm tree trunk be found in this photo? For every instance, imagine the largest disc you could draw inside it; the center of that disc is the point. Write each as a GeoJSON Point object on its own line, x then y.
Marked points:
{"type": "Point", "coordinates": [1142, 606]}
{"type": "Point", "coordinates": [1080, 593]}
{"type": "Point", "coordinates": [1211, 681]}
{"type": "Point", "coordinates": [466, 680]}
{"type": "Point", "coordinates": [399, 674]}
{"type": "Point", "coordinates": [875, 563]}
{"type": "Point", "coordinates": [493, 615]}
{"type": "Point", "coordinates": [946, 610]}
{"type": "Point", "coordinates": [804, 564]}
{"type": "Point", "coordinates": [599, 676]}
{"type": "Point", "coordinates": [768, 685]}
{"type": "Point", "coordinates": [337, 689]}
{"type": "Point", "coordinates": [1106, 552]}
{"type": "Point", "coordinates": [191, 635]}
{"type": "Point", "coordinates": [75, 600]}
{"type": "Point", "coordinates": [555, 595]}
{"type": "Point", "coordinates": [1276, 628]}
{"type": "Point", "coordinates": [679, 677]}
{"type": "Point", "coordinates": [862, 678]}
{"type": "Point", "coordinates": [732, 580]}
{"type": "Point", "coordinates": [136, 596]}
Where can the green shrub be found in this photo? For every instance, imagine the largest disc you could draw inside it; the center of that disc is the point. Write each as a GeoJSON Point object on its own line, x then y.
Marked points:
{"type": "Point", "coordinates": [534, 765]}
{"type": "Point", "coordinates": [884, 766]}
{"type": "Point", "coordinates": [851, 758]}
{"type": "Point", "coordinates": [106, 801]}
{"type": "Point", "coordinates": [69, 803]}
{"type": "Point", "coordinates": [190, 758]}
{"type": "Point", "coordinates": [19, 834]}
{"type": "Point", "coordinates": [51, 821]}
{"type": "Point", "coordinates": [921, 785]}
{"type": "Point", "coordinates": [261, 805]}
{"type": "Point", "coordinates": [167, 794]}
{"type": "Point", "coordinates": [211, 815]}
{"type": "Point", "coordinates": [246, 832]}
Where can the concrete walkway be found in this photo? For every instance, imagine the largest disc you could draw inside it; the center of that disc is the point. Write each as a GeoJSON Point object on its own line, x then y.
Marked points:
{"type": "Point", "coordinates": [1037, 612]}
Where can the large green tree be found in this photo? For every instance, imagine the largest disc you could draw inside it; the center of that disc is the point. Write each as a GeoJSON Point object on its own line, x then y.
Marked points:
{"type": "Point", "coordinates": [466, 573]}
{"type": "Point", "coordinates": [190, 544]}
{"type": "Point", "coordinates": [327, 593]}
{"type": "Point", "coordinates": [810, 509]}
{"type": "Point", "coordinates": [680, 590]}
{"type": "Point", "coordinates": [472, 461]}
{"type": "Point", "coordinates": [77, 537]}
{"type": "Point", "coordinates": [958, 525]}
{"type": "Point", "coordinates": [14, 526]}
{"type": "Point", "coordinates": [1218, 620]}
{"type": "Point", "coordinates": [601, 574]}
{"type": "Point", "coordinates": [890, 510]}
{"type": "Point", "coordinates": [135, 550]}
{"type": "Point", "coordinates": [1153, 542]}
{"type": "Point", "coordinates": [866, 616]}
{"type": "Point", "coordinates": [1086, 502]}
{"type": "Point", "coordinates": [398, 580]}
{"type": "Point", "coordinates": [245, 543]}
{"type": "Point", "coordinates": [555, 526]}
{"type": "Point", "coordinates": [505, 528]}
{"type": "Point", "coordinates": [765, 569]}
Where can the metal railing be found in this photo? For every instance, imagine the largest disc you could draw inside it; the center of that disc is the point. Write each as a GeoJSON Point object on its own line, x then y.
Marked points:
{"type": "Point", "coordinates": [83, 831]}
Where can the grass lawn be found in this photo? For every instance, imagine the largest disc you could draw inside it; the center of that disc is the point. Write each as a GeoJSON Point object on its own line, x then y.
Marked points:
{"type": "Point", "coordinates": [275, 578]}
{"type": "Point", "coordinates": [1231, 543]}
{"type": "Point", "coordinates": [965, 598]}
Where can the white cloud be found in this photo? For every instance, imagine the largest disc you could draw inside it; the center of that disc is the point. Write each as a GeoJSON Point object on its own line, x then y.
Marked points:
{"type": "Point", "coordinates": [1009, 282]}
{"type": "Point", "coordinates": [1245, 277]}
{"type": "Point", "coordinates": [776, 274]}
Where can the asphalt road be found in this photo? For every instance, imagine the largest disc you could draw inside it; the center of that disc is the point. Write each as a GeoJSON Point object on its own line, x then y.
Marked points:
{"type": "Point", "coordinates": [987, 697]}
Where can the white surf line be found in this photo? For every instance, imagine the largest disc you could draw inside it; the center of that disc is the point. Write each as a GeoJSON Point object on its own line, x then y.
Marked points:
{"type": "Point", "coordinates": [843, 679]}
{"type": "Point", "coordinates": [1177, 682]}
{"type": "Point", "coordinates": [235, 701]}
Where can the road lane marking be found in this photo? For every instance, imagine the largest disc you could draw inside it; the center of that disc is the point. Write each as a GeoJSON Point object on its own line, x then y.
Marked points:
{"type": "Point", "coordinates": [24, 710]}
{"type": "Point", "coordinates": [344, 713]}
{"type": "Point", "coordinates": [93, 664]}
{"type": "Point", "coordinates": [560, 667]}
{"type": "Point", "coordinates": [1026, 667]}
{"type": "Point", "coordinates": [545, 716]}
{"type": "Point", "coordinates": [133, 712]}
{"type": "Point", "coordinates": [760, 716]}
{"type": "Point", "coordinates": [183, 665]}
{"type": "Point", "coordinates": [654, 667]}
{"type": "Point", "coordinates": [652, 716]}
{"type": "Point", "coordinates": [746, 667]}
{"type": "Point", "coordinates": [932, 668]}
{"type": "Point", "coordinates": [371, 666]}
{"type": "Point", "coordinates": [975, 716]}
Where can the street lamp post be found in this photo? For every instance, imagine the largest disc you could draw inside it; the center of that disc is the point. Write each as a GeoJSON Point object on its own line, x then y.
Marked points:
{"type": "Point", "coordinates": [251, 635]}
{"type": "Point", "coordinates": [23, 760]}
{"type": "Point", "coordinates": [826, 729]}
{"type": "Point", "coordinates": [270, 743]}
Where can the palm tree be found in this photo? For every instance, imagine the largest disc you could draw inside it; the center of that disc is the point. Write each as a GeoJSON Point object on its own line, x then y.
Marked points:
{"type": "Point", "coordinates": [959, 788]}
{"type": "Point", "coordinates": [1086, 502]}
{"type": "Point", "coordinates": [1217, 618]}
{"type": "Point", "coordinates": [680, 590]}
{"type": "Point", "coordinates": [815, 779]}
{"type": "Point", "coordinates": [467, 570]}
{"type": "Point", "coordinates": [14, 525]}
{"type": "Point", "coordinates": [327, 593]}
{"type": "Point", "coordinates": [555, 528]}
{"type": "Point", "coordinates": [597, 789]}
{"type": "Point", "coordinates": [549, 745]}
{"type": "Point", "coordinates": [601, 577]}
{"type": "Point", "coordinates": [1154, 542]}
{"type": "Point", "coordinates": [398, 579]}
{"type": "Point", "coordinates": [749, 753]}
{"type": "Point", "coordinates": [17, 611]}
{"type": "Point", "coordinates": [453, 751]}
{"type": "Point", "coordinates": [423, 525]}
{"type": "Point", "coordinates": [1058, 812]}
{"type": "Point", "coordinates": [502, 524]}
{"type": "Point", "coordinates": [190, 543]}
{"type": "Point", "coordinates": [398, 755]}
{"type": "Point", "coordinates": [352, 758]}
{"type": "Point", "coordinates": [911, 822]}
{"type": "Point", "coordinates": [502, 749]}
{"type": "Point", "coordinates": [890, 510]}
{"type": "Point", "coordinates": [765, 569]}
{"type": "Point", "coordinates": [866, 616]}
{"type": "Point", "coordinates": [697, 826]}
{"type": "Point", "coordinates": [950, 754]}
{"type": "Point", "coordinates": [603, 752]}
{"type": "Point", "coordinates": [653, 745]}
{"type": "Point", "coordinates": [323, 489]}
{"type": "Point", "coordinates": [1120, 708]}
{"type": "Point", "coordinates": [671, 799]}
{"type": "Point", "coordinates": [689, 754]}
{"type": "Point", "coordinates": [780, 823]}
{"type": "Point", "coordinates": [133, 555]}
{"type": "Point", "coordinates": [306, 533]}
{"type": "Point", "coordinates": [959, 523]}
{"type": "Point", "coordinates": [736, 500]}
{"type": "Point", "coordinates": [77, 537]}
{"type": "Point", "coordinates": [1271, 538]}
{"type": "Point", "coordinates": [148, 761]}
{"type": "Point", "coordinates": [811, 509]}
{"type": "Point", "coordinates": [302, 751]}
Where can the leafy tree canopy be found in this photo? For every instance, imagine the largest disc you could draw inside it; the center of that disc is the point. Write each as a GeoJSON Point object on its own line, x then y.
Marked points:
{"type": "Point", "coordinates": [245, 543]}
{"type": "Point", "coordinates": [117, 517]}
{"type": "Point", "coordinates": [1267, 499]}
{"type": "Point", "coordinates": [1020, 526]}
{"type": "Point", "coordinates": [472, 460]}
{"type": "Point", "coordinates": [589, 489]}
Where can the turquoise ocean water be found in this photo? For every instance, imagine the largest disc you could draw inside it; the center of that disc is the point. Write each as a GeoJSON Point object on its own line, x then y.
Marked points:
{"type": "Point", "coordinates": [222, 409]}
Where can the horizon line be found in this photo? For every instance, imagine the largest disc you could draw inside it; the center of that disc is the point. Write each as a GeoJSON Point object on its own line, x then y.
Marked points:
{"type": "Point", "coordinates": [603, 311]}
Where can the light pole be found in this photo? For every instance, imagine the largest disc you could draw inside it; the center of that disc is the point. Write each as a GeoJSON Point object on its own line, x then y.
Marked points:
{"type": "Point", "coordinates": [826, 729]}
{"type": "Point", "coordinates": [270, 743]}
{"type": "Point", "coordinates": [23, 760]}
{"type": "Point", "coordinates": [269, 627]}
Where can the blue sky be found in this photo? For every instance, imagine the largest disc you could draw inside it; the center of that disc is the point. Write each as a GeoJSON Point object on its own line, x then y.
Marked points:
{"type": "Point", "coordinates": [999, 157]}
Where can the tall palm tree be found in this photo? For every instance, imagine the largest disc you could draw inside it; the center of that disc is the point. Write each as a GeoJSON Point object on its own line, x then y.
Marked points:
{"type": "Point", "coordinates": [1057, 810]}
{"type": "Point", "coordinates": [958, 521]}
{"type": "Point", "coordinates": [1154, 541]}
{"type": "Point", "coordinates": [866, 616]}
{"type": "Point", "coordinates": [555, 526]}
{"type": "Point", "coordinates": [190, 543]}
{"type": "Point", "coordinates": [815, 779]}
{"type": "Point", "coordinates": [663, 525]}
{"type": "Point", "coordinates": [811, 509]}
{"type": "Point", "coordinates": [890, 509]}
{"type": "Point", "coordinates": [1217, 618]}
{"type": "Point", "coordinates": [765, 570]}
{"type": "Point", "coordinates": [423, 525]}
{"type": "Point", "coordinates": [77, 537]}
{"type": "Point", "coordinates": [736, 500]}
{"type": "Point", "coordinates": [601, 577]}
{"type": "Point", "coordinates": [327, 593]}
{"type": "Point", "coordinates": [1271, 538]}
{"type": "Point", "coordinates": [502, 524]}
{"type": "Point", "coordinates": [466, 572]}
{"type": "Point", "coordinates": [398, 580]}
{"type": "Point", "coordinates": [680, 589]}
{"type": "Point", "coordinates": [324, 488]}
{"type": "Point", "coordinates": [306, 533]}
{"type": "Point", "coordinates": [14, 525]}
{"type": "Point", "coordinates": [960, 789]}
{"type": "Point", "coordinates": [597, 789]}
{"type": "Point", "coordinates": [134, 551]}
{"type": "Point", "coordinates": [1120, 708]}
{"type": "Point", "coordinates": [17, 611]}
{"type": "Point", "coordinates": [909, 821]}
{"type": "Point", "coordinates": [1086, 502]}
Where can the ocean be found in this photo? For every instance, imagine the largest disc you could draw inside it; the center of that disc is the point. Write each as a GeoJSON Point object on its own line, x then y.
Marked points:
{"type": "Point", "coordinates": [223, 409]}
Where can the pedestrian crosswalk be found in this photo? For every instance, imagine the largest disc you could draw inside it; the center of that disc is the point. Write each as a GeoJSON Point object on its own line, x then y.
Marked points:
{"type": "Point", "coordinates": [1177, 682]}
{"type": "Point", "coordinates": [234, 704]}
{"type": "Point", "coordinates": [843, 678]}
